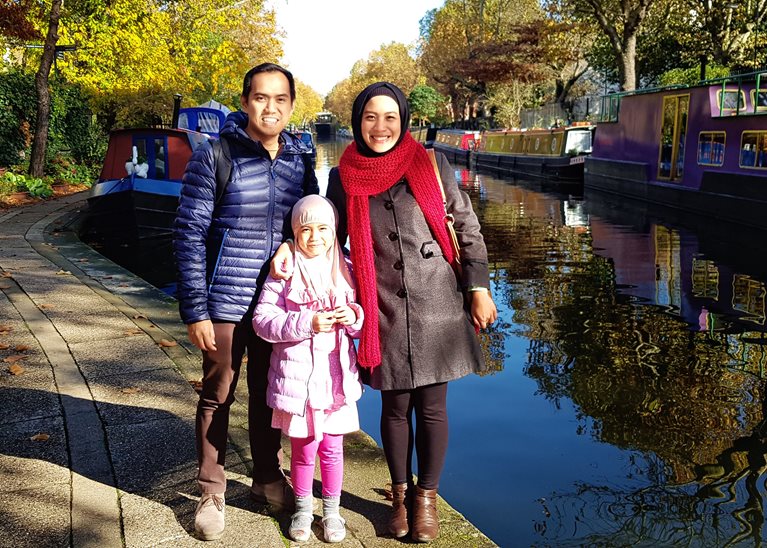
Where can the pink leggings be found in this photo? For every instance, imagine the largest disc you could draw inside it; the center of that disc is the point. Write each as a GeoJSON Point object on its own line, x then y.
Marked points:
{"type": "Point", "coordinates": [331, 452]}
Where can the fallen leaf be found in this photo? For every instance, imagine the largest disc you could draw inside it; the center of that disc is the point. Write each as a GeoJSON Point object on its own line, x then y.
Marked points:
{"type": "Point", "coordinates": [40, 437]}
{"type": "Point", "coordinates": [63, 272]}
{"type": "Point", "coordinates": [21, 348]}
{"type": "Point", "coordinates": [5, 328]}
{"type": "Point", "coordinates": [47, 306]}
{"type": "Point", "coordinates": [5, 286]}
{"type": "Point", "coordinates": [197, 385]}
{"type": "Point", "coordinates": [153, 327]}
{"type": "Point", "coordinates": [7, 275]}
{"type": "Point", "coordinates": [14, 359]}
{"type": "Point", "coordinates": [82, 260]}
{"type": "Point", "coordinates": [139, 317]}
{"type": "Point", "coordinates": [4, 346]}
{"type": "Point", "coordinates": [167, 344]}
{"type": "Point", "coordinates": [15, 369]}
{"type": "Point", "coordinates": [106, 277]}
{"type": "Point", "coordinates": [130, 390]}
{"type": "Point", "coordinates": [134, 332]}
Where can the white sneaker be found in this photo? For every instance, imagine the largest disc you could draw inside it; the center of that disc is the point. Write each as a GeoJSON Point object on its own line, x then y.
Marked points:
{"type": "Point", "coordinates": [334, 527]}
{"type": "Point", "coordinates": [209, 516]}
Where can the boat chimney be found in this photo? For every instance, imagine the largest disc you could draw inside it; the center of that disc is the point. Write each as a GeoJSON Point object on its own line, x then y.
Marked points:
{"type": "Point", "coordinates": [176, 109]}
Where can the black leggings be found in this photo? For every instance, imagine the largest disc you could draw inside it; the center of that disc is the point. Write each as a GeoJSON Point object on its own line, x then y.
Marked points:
{"type": "Point", "coordinates": [430, 406]}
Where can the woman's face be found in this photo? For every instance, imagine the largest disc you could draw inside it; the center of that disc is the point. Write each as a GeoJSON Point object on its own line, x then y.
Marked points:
{"type": "Point", "coordinates": [381, 123]}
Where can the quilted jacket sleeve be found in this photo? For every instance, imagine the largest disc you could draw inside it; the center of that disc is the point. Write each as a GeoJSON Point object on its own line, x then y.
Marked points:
{"type": "Point", "coordinates": [190, 232]}
{"type": "Point", "coordinates": [273, 322]}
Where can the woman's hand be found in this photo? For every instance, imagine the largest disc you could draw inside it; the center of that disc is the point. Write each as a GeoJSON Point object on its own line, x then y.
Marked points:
{"type": "Point", "coordinates": [324, 322]}
{"type": "Point", "coordinates": [281, 267]}
{"type": "Point", "coordinates": [345, 315]}
{"type": "Point", "coordinates": [483, 311]}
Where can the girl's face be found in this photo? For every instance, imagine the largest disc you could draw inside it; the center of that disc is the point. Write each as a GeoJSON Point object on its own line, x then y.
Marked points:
{"type": "Point", "coordinates": [314, 239]}
{"type": "Point", "coordinates": [381, 123]}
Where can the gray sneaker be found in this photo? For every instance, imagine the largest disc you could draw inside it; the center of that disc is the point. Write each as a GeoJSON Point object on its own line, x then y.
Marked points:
{"type": "Point", "coordinates": [278, 494]}
{"type": "Point", "coordinates": [209, 516]}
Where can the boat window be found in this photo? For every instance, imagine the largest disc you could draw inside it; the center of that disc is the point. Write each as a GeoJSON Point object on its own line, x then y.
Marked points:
{"type": "Point", "coordinates": [159, 158]}
{"type": "Point", "coordinates": [759, 100]}
{"type": "Point", "coordinates": [609, 108]}
{"type": "Point", "coordinates": [753, 149]}
{"type": "Point", "coordinates": [711, 148]}
{"type": "Point", "coordinates": [734, 101]}
{"type": "Point", "coordinates": [578, 142]}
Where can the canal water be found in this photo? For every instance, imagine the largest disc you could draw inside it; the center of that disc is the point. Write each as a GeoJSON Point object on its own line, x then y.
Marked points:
{"type": "Point", "coordinates": [625, 400]}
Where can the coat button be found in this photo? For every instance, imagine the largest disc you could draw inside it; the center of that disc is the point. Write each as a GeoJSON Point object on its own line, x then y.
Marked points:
{"type": "Point", "coordinates": [401, 293]}
{"type": "Point", "coordinates": [388, 204]}
{"type": "Point", "coordinates": [398, 265]}
{"type": "Point", "coordinates": [393, 236]}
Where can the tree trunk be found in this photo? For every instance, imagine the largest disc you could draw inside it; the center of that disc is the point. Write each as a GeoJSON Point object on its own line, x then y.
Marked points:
{"type": "Point", "coordinates": [37, 158]}
{"type": "Point", "coordinates": [627, 64]}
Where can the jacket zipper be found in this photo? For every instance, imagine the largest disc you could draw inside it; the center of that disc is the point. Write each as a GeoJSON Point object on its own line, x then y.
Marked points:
{"type": "Point", "coordinates": [218, 259]}
{"type": "Point", "coordinates": [270, 214]}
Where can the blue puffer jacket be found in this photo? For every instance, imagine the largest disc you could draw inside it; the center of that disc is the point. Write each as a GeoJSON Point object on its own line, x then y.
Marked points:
{"type": "Point", "coordinates": [222, 251]}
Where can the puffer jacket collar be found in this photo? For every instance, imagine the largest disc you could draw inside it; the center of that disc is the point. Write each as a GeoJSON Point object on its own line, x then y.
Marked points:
{"type": "Point", "coordinates": [234, 130]}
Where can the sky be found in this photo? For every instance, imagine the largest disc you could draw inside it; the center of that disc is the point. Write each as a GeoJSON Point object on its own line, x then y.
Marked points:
{"type": "Point", "coordinates": [324, 38]}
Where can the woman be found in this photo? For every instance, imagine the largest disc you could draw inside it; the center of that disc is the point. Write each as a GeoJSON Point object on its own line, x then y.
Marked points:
{"type": "Point", "coordinates": [423, 335]}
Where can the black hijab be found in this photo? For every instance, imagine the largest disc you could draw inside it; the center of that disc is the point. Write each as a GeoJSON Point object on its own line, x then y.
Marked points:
{"type": "Point", "coordinates": [378, 88]}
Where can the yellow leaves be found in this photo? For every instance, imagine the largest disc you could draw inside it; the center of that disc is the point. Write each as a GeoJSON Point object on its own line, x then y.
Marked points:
{"type": "Point", "coordinates": [16, 369]}
{"type": "Point", "coordinates": [42, 436]}
{"type": "Point", "coordinates": [165, 343]}
{"type": "Point", "coordinates": [130, 390]}
{"type": "Point", "coordinates": [15, 358]}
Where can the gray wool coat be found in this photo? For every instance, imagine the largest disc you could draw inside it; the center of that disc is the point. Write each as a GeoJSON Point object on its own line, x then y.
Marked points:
{"type": "Point", "coordinates": [427, 335]}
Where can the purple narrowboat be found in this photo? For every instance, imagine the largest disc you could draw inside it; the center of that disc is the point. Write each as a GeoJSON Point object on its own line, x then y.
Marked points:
{"type": "Point", "coordinates": [699, 149]}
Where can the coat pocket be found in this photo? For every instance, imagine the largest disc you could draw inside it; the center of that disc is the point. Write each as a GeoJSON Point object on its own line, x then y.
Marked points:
{"type": "Point", "coordinates": [431, 249]}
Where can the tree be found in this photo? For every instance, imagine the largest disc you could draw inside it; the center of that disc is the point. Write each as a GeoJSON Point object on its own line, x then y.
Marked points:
{"type": "Point", "coordinates": [425, 102]}
{"type": "Point", "coordinates": [308, 104]}
{"type": "Point", "coordinates": [37, 158]}
{"type": "Point", "coordinates": [621, 21]}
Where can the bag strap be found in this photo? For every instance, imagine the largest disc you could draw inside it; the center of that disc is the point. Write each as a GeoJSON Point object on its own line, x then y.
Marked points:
{"type": "Point", "coordinates": [449, 219]}
{"type": "Point", "coordinates": [433, 158]}
{"type": "Point", "coordinates": [222, 160]}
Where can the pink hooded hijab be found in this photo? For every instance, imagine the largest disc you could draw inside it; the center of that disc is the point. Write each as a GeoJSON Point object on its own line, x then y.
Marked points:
{"type": "Point", "coordinates": [326, 275]}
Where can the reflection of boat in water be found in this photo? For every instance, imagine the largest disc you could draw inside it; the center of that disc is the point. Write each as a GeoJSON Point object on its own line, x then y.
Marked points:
{"type": "Point", "coordinates": [135, 198]}
{"type": "Point", "coordinates": [557, 153]}
{"type": "Point", "coordinates": [700, 149]}
{"type": "Point", "coordinates": [325, 125]}
{"type": "Point", "coordinates": [456, 144]}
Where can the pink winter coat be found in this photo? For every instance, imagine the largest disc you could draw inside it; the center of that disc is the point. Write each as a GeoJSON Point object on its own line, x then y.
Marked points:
{"type": "Point", "coordinates": [284, 317]}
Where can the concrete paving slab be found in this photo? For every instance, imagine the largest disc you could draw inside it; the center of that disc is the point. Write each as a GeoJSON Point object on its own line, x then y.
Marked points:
{"type": "Point", "coordinates": [47, 505]}
{"type": "Point", "coordinates": [25, 462]}
{"type": "Point", "coordinates": [127, 355]}
{"type": "Point", "coordinates": [140, 397]}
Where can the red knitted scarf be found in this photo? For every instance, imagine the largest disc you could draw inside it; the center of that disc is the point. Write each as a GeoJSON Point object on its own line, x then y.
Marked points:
{"type": "Point", "coordinates": [362, 177]}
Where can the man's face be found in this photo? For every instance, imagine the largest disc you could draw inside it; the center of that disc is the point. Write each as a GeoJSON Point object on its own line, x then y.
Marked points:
{"type": "Point", "coordinates": [268, 106]}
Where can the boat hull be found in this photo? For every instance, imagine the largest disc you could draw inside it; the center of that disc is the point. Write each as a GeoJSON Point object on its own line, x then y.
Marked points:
{"type": "Point", "coordinates": [566, 169]}
{"type": "Point", "coordinates": [454, 155]}
{"type": "Point", "coordinates": [131, 213]}
{"type": "Point", "coordinates": [729, 197]}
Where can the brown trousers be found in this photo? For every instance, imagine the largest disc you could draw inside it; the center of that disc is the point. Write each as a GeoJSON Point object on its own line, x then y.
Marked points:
{"type": "Point", "coordinates": [221, 370]}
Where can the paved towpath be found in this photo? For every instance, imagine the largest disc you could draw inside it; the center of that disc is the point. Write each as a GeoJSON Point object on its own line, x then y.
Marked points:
{"type": "Point", "coordinates": [97, 398]}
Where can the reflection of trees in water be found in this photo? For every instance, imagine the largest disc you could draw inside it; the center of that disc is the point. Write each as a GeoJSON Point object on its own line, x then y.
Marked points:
{"type": "Point", "coordinates": [687, 404]}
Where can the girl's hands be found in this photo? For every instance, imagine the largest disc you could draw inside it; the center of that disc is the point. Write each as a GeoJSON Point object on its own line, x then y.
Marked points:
{"type": "Point", "coordinates": [345, 315]}
{"type": "Point", "coordinates": [281, 267]}
{"type": "Point", "coordinates": [324, 322]}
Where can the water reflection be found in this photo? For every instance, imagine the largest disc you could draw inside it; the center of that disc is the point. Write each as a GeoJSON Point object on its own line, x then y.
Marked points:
{"type": "Point", "coordinates": [660, 350]}
{"type": "Point", "coordinates": [625, 399]}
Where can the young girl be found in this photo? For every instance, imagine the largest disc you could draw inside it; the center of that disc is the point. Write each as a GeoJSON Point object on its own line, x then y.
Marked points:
{"type": "Point", "coordinates": [313, 378]}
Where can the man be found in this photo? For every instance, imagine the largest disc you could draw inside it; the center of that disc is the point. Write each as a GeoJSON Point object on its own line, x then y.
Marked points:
{"type": "Point", "coordinates": [222, 247]}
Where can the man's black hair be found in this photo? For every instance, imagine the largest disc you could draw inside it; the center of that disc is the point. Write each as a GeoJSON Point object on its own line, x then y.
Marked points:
{"type": "Point", "coordinates": [268, 67]}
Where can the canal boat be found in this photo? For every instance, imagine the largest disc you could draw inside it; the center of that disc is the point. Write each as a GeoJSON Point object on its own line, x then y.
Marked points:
{"type": "Point", "coordinates": [551, 154]}
{"type": "Point", "coordinates": [456, 144]}
{"type": "Point", "coordinates": [325, 125]}
{"type": "Point", "coordinates": [424, 135]}
{"type": "Point", "coordinates": [701, 149]}
{"type": "Point", "coordinates": [135, 198]}
{"type": "Point", "coordinates": [307, 137]}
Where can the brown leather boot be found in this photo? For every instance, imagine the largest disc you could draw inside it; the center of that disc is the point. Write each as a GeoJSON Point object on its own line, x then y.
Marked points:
{"type": "Point", "coordinates": [398, 525]}
{"type": "Point", "coordinates": [425, 520]}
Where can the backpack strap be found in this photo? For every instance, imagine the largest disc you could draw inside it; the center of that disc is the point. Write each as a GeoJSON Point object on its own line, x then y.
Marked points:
{"type": "Point", "coordinates": [222, 159]}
